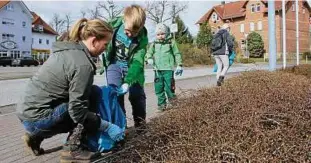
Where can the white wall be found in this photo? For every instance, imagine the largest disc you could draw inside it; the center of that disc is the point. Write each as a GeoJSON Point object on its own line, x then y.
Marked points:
{"type": "Point", "coordinates": [36, 36]}
{"type": "Point", "coordinates": [17, 29]}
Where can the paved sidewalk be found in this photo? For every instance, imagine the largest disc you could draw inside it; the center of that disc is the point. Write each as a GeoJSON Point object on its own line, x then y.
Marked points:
{"type": "Point", "coordinates": [10, 90]}
{"type": "Point", "coordinates": [12, 147]}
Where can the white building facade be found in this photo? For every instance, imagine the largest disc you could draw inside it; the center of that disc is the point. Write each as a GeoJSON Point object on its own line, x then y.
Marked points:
{"type": "Point", "coordinates": [43, 36]}
{"type": "Point", "coordinates": [15, 29]}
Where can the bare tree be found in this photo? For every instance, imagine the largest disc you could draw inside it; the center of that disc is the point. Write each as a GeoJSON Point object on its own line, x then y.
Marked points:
{"type": "Point", "coordinates": [176, 9]}
{"type": "Point", "coordinates": [162, 11]}
{"type": "Point", "coordinates": [111, 9]}
{"type": "Point", "coordinates": [83, 13]}
{"type": "Point", "coordinates": [68, 20]}
{"type": "Point", "coordinates": [57, 23]}
{"type": "Point", "coordinates": [106, 10]}
{"type": "Point", "coordinates": [95, 12]}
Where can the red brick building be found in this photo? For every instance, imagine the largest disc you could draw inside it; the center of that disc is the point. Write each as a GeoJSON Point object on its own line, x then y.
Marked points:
{"type": "Point", "coordinates": [248, 16]}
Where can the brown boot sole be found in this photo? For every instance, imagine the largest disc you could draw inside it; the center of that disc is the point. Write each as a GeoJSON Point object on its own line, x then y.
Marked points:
{"type": "Point", "coordinates": [71, 160]}
{"type": "Point", "coordinates": [29, 149]}
{"type": "Point", "coordinates": [74, 161]}
{"type": "Point", "coordinates": [68, 159]}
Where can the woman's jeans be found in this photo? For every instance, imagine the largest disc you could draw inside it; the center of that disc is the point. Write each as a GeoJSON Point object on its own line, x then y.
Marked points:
{"type": "Point", "coordinates": [59, 121]}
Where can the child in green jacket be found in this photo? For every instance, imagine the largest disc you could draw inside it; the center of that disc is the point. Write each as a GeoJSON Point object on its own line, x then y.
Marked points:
{"type": "Point", "coordinates": [125, 57]}
{"type": "Point", "coordinates": [164, 55]}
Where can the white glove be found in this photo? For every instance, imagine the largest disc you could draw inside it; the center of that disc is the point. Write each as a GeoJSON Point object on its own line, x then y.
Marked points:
{"type": "Point", "coordinates": [179, 71]}
{"type": "Point", "coordinates": [150, 61]}
{"type": "Point", "coordinates": [123, 89]}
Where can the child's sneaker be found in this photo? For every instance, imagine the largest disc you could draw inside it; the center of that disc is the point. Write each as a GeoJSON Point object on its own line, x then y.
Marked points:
{"type": "Point", "coordinates": [161, 108]}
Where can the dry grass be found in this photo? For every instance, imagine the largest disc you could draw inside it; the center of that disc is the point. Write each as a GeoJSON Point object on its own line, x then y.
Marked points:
{"type": "Point", "coordinates": [255, 117]}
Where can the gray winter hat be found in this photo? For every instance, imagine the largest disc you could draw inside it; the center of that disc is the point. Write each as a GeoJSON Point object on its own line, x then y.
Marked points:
{"type": "Point", "coordinates": [162, 28]}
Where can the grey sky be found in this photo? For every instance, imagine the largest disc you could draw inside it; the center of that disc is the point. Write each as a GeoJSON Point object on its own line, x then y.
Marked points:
{"type": "Point", "coordinates": [46, 9]}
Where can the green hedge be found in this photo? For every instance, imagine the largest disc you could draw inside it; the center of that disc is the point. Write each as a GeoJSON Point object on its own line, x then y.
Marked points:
{"type": "Point", "coordinates": [194, 56]}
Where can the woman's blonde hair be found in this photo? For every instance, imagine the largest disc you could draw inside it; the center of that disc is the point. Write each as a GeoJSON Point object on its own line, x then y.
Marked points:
{"type": "Point", "coordinates": [84, 28]}
{"type": "Point", "coordinates": [134, 17]}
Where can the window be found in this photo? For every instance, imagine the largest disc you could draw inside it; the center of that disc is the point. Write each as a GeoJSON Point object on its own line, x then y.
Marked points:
{"type": "Point", "coordinates": [16, 54]}
{"type": "Point", "coordinates": [294, 6]}
{"type": "Point", "coordinates": [258, 7]}
{"type": "Point", "coordinates": [32, 40]}
{"type": "Point", "coordinates": [24, 24]}
{"type": "Point", "coordinates": [24, 38]}
{"type": "Point", "coordinates": [40, 41]}
{"type": "Point", "coordinates": [3, 53]}
{"type": "Point", "coordinates": [40, 28]}
{"type": "Point", "coordinates": [253, 8]}
{"type": "Point", "coordinates": [25, 53]}
{"type": "Point", "coordinates": [242, 28]}
{"type": "Point", "coordinates": [8, 22]}
{"type": "Point", "coordinates": [9, 7]}
{"type": "Point", "coordinates": [6, 36]}
{"type": "Point", "coordinates": [252, 26]}
{"type": "Point", "coordinates": [215, 17]}
{"type": "Point", "coordinates": [259, 25]}
{"type": "Point", "coordinates": [47, 42]}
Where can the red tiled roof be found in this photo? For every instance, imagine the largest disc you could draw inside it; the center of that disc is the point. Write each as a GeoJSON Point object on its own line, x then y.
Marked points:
{"type": "Point", "coordinates": [37, 20]}
{"type": "Point", "coordinates": [3, 3]}
{"type": "Point", "coordinates": [204, 17]}
{"type": "Point", "coordinates": [226, 11]}
{"type": "Point", "coordinates": [237, 9]}
{"type": "Point", "coordinates": [233, 9]}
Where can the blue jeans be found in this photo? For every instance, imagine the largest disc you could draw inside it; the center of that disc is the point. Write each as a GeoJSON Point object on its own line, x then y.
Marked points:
{"type": "Point", "coordinates": [115, 75]}
{"type": "Point", "coordinates": [57, 122]}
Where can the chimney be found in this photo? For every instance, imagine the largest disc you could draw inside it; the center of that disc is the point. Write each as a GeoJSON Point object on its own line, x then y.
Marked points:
{"type": "Point", "coordinates": [223, 2]}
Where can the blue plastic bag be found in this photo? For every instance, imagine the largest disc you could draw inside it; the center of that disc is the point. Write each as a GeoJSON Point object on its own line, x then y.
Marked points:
{"type": "Point", "coordinates": [231, 61]}
{"type": "Point", "coordinates": [110, 110]}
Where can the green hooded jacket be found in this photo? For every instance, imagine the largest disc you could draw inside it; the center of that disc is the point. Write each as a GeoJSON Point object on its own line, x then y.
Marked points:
{"type": "Point", "coordinates": [137, 54]}
{"type": "Point", "coordinates": [165, 54]}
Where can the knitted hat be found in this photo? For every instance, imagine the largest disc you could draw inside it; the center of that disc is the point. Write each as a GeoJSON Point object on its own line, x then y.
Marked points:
{"type": "Point", "coordinates": [162, 28]}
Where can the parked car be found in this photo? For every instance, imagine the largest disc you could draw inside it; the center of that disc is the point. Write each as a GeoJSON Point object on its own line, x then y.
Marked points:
{"type": "Point", "coordinates": [25, 61]}
{"type": "Point", "coordinates": [6, 61]}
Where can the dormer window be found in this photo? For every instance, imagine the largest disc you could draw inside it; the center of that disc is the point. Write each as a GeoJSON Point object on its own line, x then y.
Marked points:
{"type": "Point", "coordinates": [40, 28]}
{"type": "Point", "coordinates": [215, 17]}
{"type": "Point", "coordinates": [258, 7]}
{"type": "Point", "coordinates": [253, 8]}
{"type": "Point", "coordinates": [9, 7]}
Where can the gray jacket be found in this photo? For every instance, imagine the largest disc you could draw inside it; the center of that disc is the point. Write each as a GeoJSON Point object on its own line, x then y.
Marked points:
{"type": "Point", "coordinates": [66, 77]}
{"type": "Point", "coordinates": [227, 44]}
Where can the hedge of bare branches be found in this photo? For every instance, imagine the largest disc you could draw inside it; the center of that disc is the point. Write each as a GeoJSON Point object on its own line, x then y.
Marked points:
{"type": "Point", "coordinates": [255, 117]}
